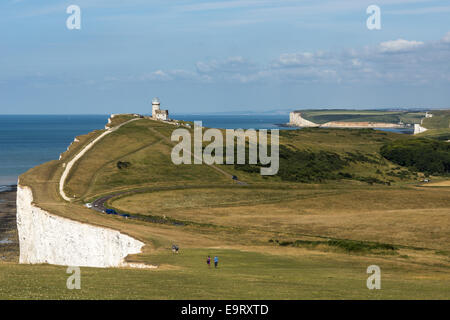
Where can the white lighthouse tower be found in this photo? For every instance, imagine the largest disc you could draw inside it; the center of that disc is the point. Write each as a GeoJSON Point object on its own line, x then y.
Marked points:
{"type": "Point", "coordinates": [155, 106]}
{"type": "Point", "coordinates": [157, 113]}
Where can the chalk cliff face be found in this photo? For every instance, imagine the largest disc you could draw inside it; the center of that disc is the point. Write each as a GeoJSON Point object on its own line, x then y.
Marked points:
{"type": "Point", "coordinates": [419, 129]}
{"type": "Point", "coordinates": [295, 119]}
{"type": "Point", "coordinates": [47, 238]}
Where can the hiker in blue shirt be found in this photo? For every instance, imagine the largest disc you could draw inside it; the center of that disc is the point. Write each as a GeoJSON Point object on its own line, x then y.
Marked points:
{"type": "Point", "coordinates": [216, 261]}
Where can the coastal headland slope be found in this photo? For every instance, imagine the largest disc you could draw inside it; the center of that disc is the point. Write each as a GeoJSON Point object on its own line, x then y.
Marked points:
{"type": "Point", "coordinates": [336, 207]}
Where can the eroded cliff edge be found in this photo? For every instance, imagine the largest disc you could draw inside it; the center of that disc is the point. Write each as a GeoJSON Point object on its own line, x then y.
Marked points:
{"type": "Point", "coordinates": [48, 238]}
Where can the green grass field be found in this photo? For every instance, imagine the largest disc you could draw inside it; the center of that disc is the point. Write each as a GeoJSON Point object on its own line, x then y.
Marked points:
{"type": "Point", "coordinates": [241, 274]}
{"type": "Point", "coordinates": [440, 120]}
{"type": "Point", "coordinates": [276, 239]}
{"type": "Point", "coordinates": [438, 126]}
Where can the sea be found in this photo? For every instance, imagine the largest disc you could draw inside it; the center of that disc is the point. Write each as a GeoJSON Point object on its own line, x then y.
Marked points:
{"type": "Point", "coordinates": [29, 140]}
{"type": "Point", "coordinates": [241, 121]}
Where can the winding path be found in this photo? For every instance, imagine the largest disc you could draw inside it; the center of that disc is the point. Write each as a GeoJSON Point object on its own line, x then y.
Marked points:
{"type": "Point", "coordinates": [98, 204]}
{"type": "Point", "coordinates": [80, 154]}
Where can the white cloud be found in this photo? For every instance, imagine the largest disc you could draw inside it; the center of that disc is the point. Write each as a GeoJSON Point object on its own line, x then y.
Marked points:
{"type": "Point", "coordinates": [399, 45]}
{"type": "Point", "coordinates": [158, 75]}
{"type": "Point", "coordinates": [370, 65]}
{"type": "Point", "coordinates": [356, 62]}
{"type": "Point", "coordinates": [420, 11]}
{"type": "Point", "coordinates": [296, 59]}
{"type": "Point", "coordinates": [229, 65]}
{"type": "Point", "coordinates": [446, 38]}
{"type": "Point", "coordinates": [220, 5]}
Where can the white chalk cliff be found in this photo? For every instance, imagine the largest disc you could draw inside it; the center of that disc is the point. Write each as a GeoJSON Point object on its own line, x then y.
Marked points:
{"type": "Point", "coordinates": [419, 129]}
{"type": "Point", "coordinates": [295, 119]}
{"type": "Point", "coordinates": [48, 238]}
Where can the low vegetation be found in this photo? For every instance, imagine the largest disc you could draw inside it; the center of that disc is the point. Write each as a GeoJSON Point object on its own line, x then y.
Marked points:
{"type": "Point", "coordinates": [303, 166]}
{"type": "Point", "coordinates": [426, 155]}
{"type": "Point", "coordinates": [123, 165]}
{"type": "Point", "coordinates": [438, 125]}
{"type": "Point", "coordinates": [308, 166]}
{"type": "Point", "coordinates": [350, 246]}
{"type": "Point", "coordinates": [439, 120]}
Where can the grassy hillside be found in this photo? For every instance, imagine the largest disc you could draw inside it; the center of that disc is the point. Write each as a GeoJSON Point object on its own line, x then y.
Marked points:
{"type": "Point", "coordinates": [276, 238]}
{"type": "Point", "coordinates": [426, 155]}
{"type": "Point", "coordinates": [143, 144]}
{"type": "Point", "coordinates": [146, 146]}
{"type": "Point", "coordinates": [440, 120]}
{"type": "Point", "coordinates": [438, 126]}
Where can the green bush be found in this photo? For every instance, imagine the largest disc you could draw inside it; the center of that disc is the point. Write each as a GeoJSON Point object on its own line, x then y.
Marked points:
{"type": "Point", "coordinates": [425, 155]}
{"type": "Point", "coordinates": [303, 166]}
{"type": "Point", "coordinates": [123, 165]}
{"type": "Point", "coordinates": [310, 167]}
{"type": "Point", "coordinates": [359, 246]}
{"type": "Point", "coordinates": [351, 246]}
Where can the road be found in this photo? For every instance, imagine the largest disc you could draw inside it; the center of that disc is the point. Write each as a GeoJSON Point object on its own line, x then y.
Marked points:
{"type": "Point", "coordinates": [99, 204]}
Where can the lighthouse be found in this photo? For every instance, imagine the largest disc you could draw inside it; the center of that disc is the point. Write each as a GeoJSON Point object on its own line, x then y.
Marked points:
{"type": "Point", "coordinates": [155, 106]}
{"type": "Point", "coordinates": [157, 113]}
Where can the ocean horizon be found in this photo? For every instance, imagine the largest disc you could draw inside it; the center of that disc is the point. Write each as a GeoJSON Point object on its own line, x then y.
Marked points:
{"type": "Point", "coordinates": [29, 140]}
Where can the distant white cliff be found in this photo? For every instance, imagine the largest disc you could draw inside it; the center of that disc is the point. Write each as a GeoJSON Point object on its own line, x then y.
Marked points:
{"type": "Point", "coordinates": [419, 129]}
{"type": "Point", "coordinates": [295, 119]}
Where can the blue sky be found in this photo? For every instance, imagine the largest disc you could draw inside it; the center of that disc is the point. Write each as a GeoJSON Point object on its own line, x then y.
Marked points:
{"type": "Point", "coordinates": [215, 56]}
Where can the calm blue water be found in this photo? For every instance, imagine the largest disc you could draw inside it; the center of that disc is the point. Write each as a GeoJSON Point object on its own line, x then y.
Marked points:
{"type": "Point", "coordinates": [26, 141]}
{"type": "Point", "coordinates": [29, 140]}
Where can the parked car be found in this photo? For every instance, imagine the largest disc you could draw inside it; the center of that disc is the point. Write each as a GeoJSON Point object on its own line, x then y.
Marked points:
{"type": "Point", "coordinates": [110, 211]}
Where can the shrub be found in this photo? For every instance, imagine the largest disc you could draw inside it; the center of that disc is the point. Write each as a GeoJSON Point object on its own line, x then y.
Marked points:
{"type": "Point", "coordinates": [303, 166]}
{"type": "Point", "coordinates": [123, 165]}
{"type": "Point", "coordinates": [351, 246]}
{"type": "Point", "coordinates": [425, 155]}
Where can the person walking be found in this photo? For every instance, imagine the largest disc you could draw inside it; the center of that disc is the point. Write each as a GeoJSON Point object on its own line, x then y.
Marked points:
{"type": "Point", "coordinates": [216, 261]}
{"type": "Point", "coordinates": [208, 261]}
